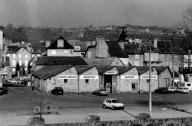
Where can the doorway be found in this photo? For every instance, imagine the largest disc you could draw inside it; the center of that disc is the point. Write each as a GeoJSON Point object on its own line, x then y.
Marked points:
{"type": "Point", "coordinates": [108, 83]}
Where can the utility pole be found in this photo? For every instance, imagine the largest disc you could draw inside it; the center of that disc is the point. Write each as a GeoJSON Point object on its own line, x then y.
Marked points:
{"type": "Point", "coordinates": [150, 95]}
{"type": "Point", "coordinates": [173, 70]}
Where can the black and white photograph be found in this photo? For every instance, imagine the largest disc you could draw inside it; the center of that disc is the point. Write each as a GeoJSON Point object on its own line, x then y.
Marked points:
{"type": "Point", "coordinates": [95, 62]}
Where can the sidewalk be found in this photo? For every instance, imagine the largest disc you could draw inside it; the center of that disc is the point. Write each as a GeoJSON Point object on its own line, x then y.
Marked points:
{"type": "Point", "coordinates": [79, 114]}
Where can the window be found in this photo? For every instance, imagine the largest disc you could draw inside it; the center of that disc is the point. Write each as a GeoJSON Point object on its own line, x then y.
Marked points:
{"type": "Point", "coordinates": [89, 54]}
{"type": "Point", "coordinates": [26, 56]}
{"type": "Point", "coordinates": [19, 55]}
{"type": "Point", "coordinates": [14, 55]}
{"type": "Point", "coordinates": [86, 80]}
{"type": "Point", "coordinates": [133, 85]}
{"type": "Point", "coordinates": [60, 43]}
{"type": "Point", "coordinates": [20, 62]}
{"type": "Point", "coordinates": [26, 63]}
{"type": "Point", "coordinates": [8, 55]}
{"type": "Point", "coordinates": [14, 62]}
{"type": "Point", "coordinates": [53, 51]}
{"type": "Point", "coordinates": [65, 80]}
{"type": "Point", "coordinates": [66, 51]}
{"type": "Point", "coordinates": [188, 84]}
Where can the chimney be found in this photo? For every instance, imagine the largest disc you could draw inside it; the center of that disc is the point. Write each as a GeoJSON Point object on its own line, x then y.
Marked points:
{"type": "Point", "coordinates": [101, 48]}
{"type": "Point", "coordinates": [47, 43]}
{"type": "Point", "coordinates": [189, 58]}
{"type": "Point", "coordinates": [122, 45]}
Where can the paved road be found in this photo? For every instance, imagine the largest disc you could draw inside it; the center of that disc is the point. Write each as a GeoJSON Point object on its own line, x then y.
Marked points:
{"type": "Point", "coordinates": [17, 106]}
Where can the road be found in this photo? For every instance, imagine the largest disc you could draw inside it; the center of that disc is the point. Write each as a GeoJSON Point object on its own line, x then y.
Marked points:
{"type": "Point", "coordinates": [16, 107]}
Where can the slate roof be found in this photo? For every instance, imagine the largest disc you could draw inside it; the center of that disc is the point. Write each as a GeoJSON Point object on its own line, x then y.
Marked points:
{"type": "Point", "coordinates": [60, 60]}
{"type": "Point", "coordinates": [115, 50]}
{"type": "Point", "coordinates": [160, 69]}
{"type": "Point", "coordinates": [102, 69]}
{"type": "Point", "coordinates": [82, 44]}
{"type": "Point", "coordinates": [50, 71]}
{"type": "Point", "coordinates": [12, 49]}
{"type": "Point", "coordinates": [81, 69]}
{"type": "Point", "coordinates": [123, 69]}
{"type": "Point", "coordinates": [100, 61]}
{"type": "Point", "coordinates": [66, 44]}
{"type": "Point", "coordinates": [142, 69]}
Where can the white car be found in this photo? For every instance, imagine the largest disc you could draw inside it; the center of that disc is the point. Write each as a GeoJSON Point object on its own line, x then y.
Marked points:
{"type": "Point", "coordinates": [183, 90]}
{"type": "Point", "coordinates": [113, 104]}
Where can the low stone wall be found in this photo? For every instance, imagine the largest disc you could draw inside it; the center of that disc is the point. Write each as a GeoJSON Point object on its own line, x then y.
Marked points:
{"type": "Point", "coordinates": [151, 122]}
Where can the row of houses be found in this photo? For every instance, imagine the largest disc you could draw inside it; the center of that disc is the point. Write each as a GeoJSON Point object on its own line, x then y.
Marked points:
{"type": "Point", "coordinates": [115, 79]}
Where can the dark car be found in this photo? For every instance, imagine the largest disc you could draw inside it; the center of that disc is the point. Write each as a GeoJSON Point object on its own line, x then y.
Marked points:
{"type": "Point", "coordinates": [3, 90]}
{"type": "Point", "coordinates": [162, 91]}
{"type": "Point", "coordinates": [57, 91]}
{"type": "Point", "coordinates": [101, 92]}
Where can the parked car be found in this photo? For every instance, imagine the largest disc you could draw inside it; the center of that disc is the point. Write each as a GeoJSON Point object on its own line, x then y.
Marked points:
{"type": "Point", "coordinates": [14, 81]}
{"type": "Point", "coordinates": [57, 91]}
{"type": "Point", "coordinates": [3, 90]}
{"type": "Point", "coordinates": [183, 90]}
{"type": "Point", "coordinates": [172, 89]}
{"type": "Point", "coordinates": [161, 91]}
{"type": "Point", "coordinates": [113, 104]}
{"type": "Point", "coordinates": [101, 92]}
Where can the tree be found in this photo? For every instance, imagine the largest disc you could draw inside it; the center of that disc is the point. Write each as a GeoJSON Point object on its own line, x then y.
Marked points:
{"type": "Point", "coordinates": [18, 69]}
{"type": "Point", "coordinates": [23, 70]}
{"type": "Point", "coordinates": [187, 17]}
{"type": "Point", "coordinates": [29, 67]}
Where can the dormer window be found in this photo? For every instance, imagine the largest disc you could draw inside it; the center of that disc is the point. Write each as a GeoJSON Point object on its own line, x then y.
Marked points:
{"type": "Point", "coordinates": [60, 43]}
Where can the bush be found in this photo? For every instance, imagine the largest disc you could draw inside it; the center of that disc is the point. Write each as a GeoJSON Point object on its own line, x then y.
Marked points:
{"type": "Point", "coordinates": [36, 121]}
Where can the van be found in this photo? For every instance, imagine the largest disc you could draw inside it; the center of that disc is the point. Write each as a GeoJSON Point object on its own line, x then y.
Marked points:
{"type": "Point", "coordinates": [185, 85]}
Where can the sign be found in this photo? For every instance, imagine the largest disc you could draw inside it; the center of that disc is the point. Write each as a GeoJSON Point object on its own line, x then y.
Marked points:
{"type": "Point", "coordinates": [147, 77]}
{"type": "Point", "coordinates": [128, 77]}
{"type": "Point", "coordinates": [67, 77]}
{"type": "Point", "coordinates": [110, 72]}
{"type": "Point", "coordinates": [89, 77]}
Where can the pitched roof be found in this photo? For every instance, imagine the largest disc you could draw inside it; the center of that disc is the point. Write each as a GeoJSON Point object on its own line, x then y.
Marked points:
{"type": "Point", "coordinates": [100, 61]}
{"type": "Point", "coordinates": [81, 69]}
{"type": "Point", "coordinates": [123, 69]}
{"type": "Point", "coordinates": [50, 71]}
{"type": "Point", "coordinates": [102, 69]}
{"type": "Point", "coordinates": [66, 44]}
{"type": "Point", "coordinates": [115, 50]}
{"type": "Point", "coordinates": [160, 69]}
{"type": "Point", "coordinates": [12, 49]}
{"type": "Point", "coordinates": [83, 45]}
{"type": "Point", "coordinates": [60, 60]}
{"type": "Point", "coordinates": [142, 69]}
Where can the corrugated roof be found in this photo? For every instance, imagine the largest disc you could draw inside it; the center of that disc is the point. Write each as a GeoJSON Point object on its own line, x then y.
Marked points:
{"type": "Point", "coordinates": [100, 61]}
{"type": "Point", "coordinates": [50, 71]}
{"type": "Point", "coordinates": [66, 44]}
{"type": "Point", "coordinates": [60, 60]}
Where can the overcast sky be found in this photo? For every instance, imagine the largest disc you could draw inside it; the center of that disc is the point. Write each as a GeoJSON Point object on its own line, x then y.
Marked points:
{"type": "Point", "coordinates": [69, 13]}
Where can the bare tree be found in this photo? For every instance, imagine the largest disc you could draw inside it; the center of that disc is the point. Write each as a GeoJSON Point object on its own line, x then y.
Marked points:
{"type": "Point", "coordinates": [187, 17]}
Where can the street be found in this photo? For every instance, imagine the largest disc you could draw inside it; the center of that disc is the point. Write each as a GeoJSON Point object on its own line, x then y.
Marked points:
{"type": "Point", "coordinates": [18, 105]}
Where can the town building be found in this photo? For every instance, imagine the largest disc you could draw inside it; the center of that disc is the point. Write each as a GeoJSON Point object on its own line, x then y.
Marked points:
{"type": "Point", "coordinates": [19, 55]}
{"type": "Point", "coordinates": [144, 79]}
{"type": "Point", "coordinates": [128, 79]}
{"type": "Point", "coordinates": [88, 80]}
{"type": "Point", "coordinates": [164, 76]}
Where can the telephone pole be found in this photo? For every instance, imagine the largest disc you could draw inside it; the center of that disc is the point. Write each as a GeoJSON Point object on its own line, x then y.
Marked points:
{"type": "Point", "coordinates": [150, 95]}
